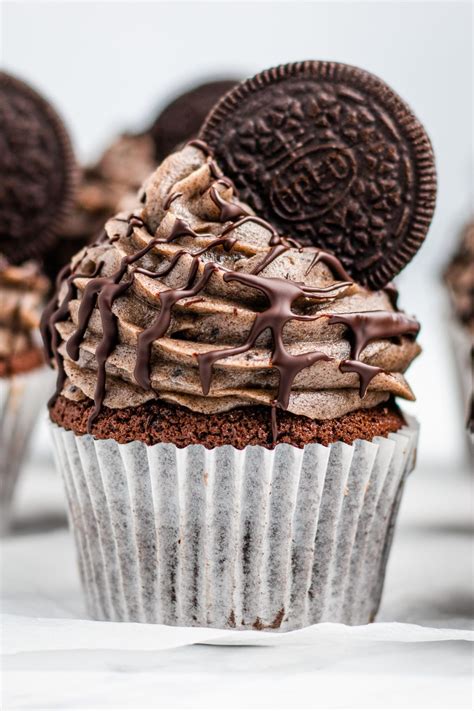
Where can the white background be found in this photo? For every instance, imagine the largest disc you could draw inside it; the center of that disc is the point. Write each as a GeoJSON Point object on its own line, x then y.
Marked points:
{"type": "Point", "coordinates": [108, 66]}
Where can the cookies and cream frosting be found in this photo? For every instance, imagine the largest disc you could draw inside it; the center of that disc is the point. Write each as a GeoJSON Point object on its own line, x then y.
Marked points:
{"type": "Point", "coordinates": [193, 299]}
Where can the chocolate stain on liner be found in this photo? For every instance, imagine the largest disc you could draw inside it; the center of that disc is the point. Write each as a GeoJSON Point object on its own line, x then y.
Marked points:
{"type": "Point", "coordinates": [281, 295]}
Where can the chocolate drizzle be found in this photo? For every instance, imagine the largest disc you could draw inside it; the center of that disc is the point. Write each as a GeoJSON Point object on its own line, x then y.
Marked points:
{"type": "Point", "coordinates": [171, 198]}
{"type": "Point", "coordinates": [55, 313]}
{"type": "Point", "coordinates": [331, 261]}
{"type": "Point", "coordinates": [159, 327]}
{"type": "Point", "coordinates": [368, 326]}
{"type": "Point", "coordinates": [281, 295]}
{"type": "Point", "coordinates": [365, 372]}
{"type": "Point", "coordinates": [392, 292]}
{"type": "Point", "coordinates": [228, 211]}
{"type": "Point", "coordinates": [196, 143]}
{"type": "Point", "coordinates": [272, 254]}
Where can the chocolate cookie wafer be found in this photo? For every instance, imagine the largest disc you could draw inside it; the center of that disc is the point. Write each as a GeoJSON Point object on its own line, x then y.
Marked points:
{"type": "Point", "coordinates": [331, 156]}
{"type": "Point", "coordinates": [37, 168]}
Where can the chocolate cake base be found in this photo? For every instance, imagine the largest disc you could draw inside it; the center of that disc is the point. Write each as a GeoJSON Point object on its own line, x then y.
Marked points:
{"type": "Point", "coordinates": [21, 362]}
{"type": "Point", "coordinates": [157, 421]}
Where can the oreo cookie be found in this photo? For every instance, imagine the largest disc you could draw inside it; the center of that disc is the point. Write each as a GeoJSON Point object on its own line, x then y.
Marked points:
{"type": "Point", "coordinates": [37, 168]}
{"type": "Point", "coordinates": [182, 119]}
{"type": "Point", "coordinates": [332, 157]}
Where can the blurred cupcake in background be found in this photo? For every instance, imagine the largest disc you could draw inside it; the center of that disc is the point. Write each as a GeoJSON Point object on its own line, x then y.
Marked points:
{"type": "Point", "coordinates": [36, 191]}
{"type": "Point", "coordinates": [459, 279]}
{"type": "Point", "coordinates": [24, 377]}
{"type": "Point", "coordinates": [112, 182]}
{"type": "Point", "coordinates": [103, 188]}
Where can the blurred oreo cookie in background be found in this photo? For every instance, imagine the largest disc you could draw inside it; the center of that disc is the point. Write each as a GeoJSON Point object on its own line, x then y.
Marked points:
{"type": "Point", "coordinates": [111, 183]}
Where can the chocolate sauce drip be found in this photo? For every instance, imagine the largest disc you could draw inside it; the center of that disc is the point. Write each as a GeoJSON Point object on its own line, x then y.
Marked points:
{"type": "Point", "coordinates": [226, 242]}
{"type": "Point", "coordinates": [275, 237]}
{"type": "Point", "coordinates": [228, 211]}
{"type": "Point", "coordinates": [109, 340]}
{"type": "Point", "coordinates": [161, 324]}
{"type": "Point", "coordinates": [368, 326]}
{"type": "Point", "coordinates": [392, 292]}
{"type": "Point", "coordinates": [196, 143]}
{"type": "Point", "coordinates": [171, 198]}
{"type": "Point", "coordinates": [331, 261]}
{"type": "Point", "coordinates": [47, 329]}
{"type": "Point", "coordinates": [166, 270]}
{"type": "Point", "coordinates": [281, 295]}
{"type": "Point", "coordinates": [365, 372]}
{"type": "Point", "coordinates": [102, 291]}
{"type": "Point", "coordinates": [179, 229]}
{"type": "Point", "coordinates": [135, 221]}
{"type": "Point", "coordinates": [274, 423]}
{"type": "Point", "coordinates": [272, 254]}
{"type": "Point", "coordinates": [52, 315]}
{"type": "Point", "coordinates": [55, 313]}
{"type": "Point", "coordinates": [217, 173]}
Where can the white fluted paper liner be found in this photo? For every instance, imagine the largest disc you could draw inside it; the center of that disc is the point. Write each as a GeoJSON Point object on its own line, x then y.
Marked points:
{"type": "Point", "coordinates": [234, 539]}
{"type": "Point", "coordinates": [22, 397]}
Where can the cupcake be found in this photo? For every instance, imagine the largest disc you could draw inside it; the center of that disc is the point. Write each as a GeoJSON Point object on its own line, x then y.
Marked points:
{"type": "Point", "coordinates": [24, 378]}
{"type": "Point", "coordinates": [459, 279]}
{"type": "Point", "coordinates": [225, 417]}
{"type": "Point", "coordinates": [38, 179]}
{"type": "Point", "coordinates": [112, 182]}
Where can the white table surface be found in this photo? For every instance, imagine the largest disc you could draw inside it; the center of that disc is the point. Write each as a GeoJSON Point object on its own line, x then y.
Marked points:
{"type": "Point", "coordinates": [417, 655]}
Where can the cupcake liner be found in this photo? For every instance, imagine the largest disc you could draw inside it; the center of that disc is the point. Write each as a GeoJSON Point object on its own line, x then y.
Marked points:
{"type": "Point", "coordinates": [234, 539]}
{"type": "Point", "coordinates": [21, 399]}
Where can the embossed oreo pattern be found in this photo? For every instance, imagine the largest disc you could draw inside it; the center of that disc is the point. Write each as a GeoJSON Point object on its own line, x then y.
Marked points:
{"type": "Point", "coordinates": [37, 168]}
{"type": "Point", "coordinates": [332, 156]}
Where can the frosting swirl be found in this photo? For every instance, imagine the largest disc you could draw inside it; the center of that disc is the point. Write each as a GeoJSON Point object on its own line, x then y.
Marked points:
{"type": "Point", "coordinates": [195, 300]}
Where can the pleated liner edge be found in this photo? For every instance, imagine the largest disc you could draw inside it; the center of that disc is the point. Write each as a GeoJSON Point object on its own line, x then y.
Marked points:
{"type": "Point", "coordinates": [234, 539]}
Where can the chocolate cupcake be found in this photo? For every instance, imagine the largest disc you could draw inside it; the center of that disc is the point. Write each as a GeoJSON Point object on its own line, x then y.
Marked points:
{"type": "Point", "coordinates": [224, 416]}
{"type": "Point", "coordinates": [459, 279]}
{"type": "Point", "coordinates": [24, 378]}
